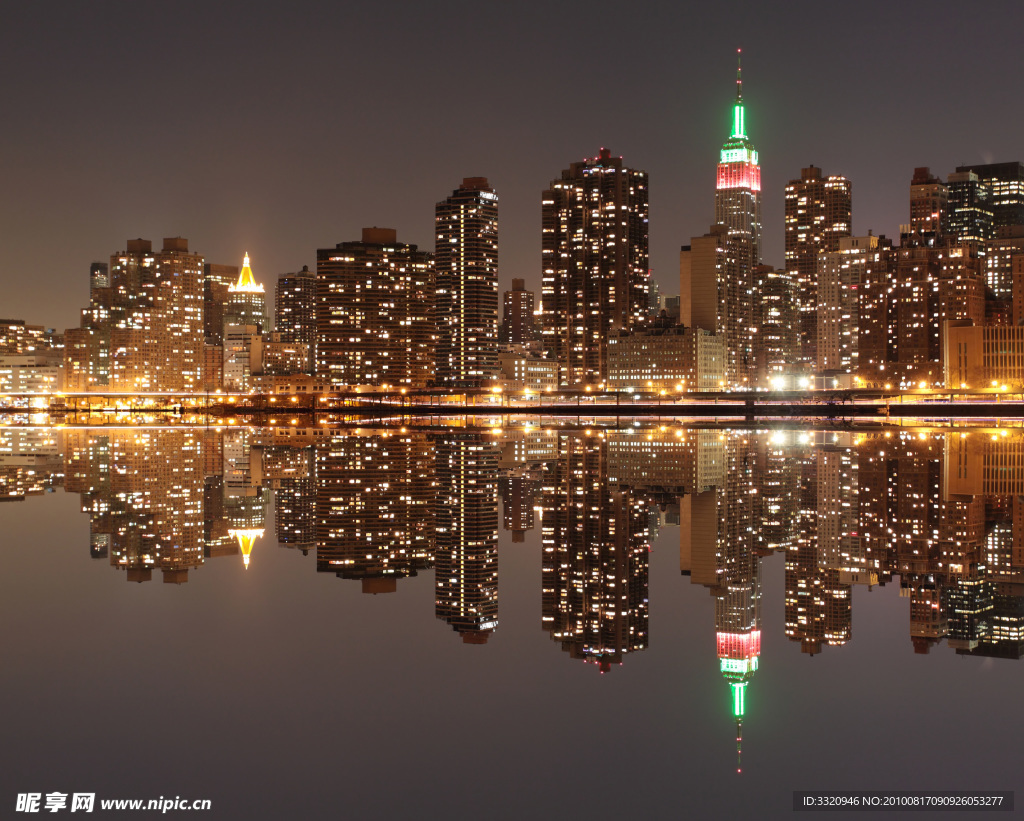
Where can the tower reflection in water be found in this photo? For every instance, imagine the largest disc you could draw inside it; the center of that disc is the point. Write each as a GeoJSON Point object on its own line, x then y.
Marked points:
{"type": "Point", "coordinates": [941, 512]}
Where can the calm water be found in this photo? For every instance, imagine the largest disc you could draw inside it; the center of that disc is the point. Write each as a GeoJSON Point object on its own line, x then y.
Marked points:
{"type": "Point", "coordinates": [460, 622]}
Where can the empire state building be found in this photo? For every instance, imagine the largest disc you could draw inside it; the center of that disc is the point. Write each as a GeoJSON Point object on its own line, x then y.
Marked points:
{"type": "Point", "coordinates": [738, 191]}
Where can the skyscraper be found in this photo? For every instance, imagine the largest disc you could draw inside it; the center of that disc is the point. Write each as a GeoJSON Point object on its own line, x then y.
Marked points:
{"type": "Point", "coordinates": [716, 293]}
{"type": "Point", "coordinates": [216, 281]}
{"type": "Point", "coordinates": [375, 312]}
{"type": "Point", "coordinates": [595, 262]}
{"type": "Point", "coordinates": [1005, 181]}
{"type": "Point", "coordinates": [143, 330]}
{"type": "Point", "coordinates": [970, 207]}
{"type": "Point", "coordinates": [818, 214]}
{"type": "Point", "coordinates": [738, 189]}
{"type": "Point", "coordinates": [929, 205]}
{"type": "Point", "coordinates": [466, 271]}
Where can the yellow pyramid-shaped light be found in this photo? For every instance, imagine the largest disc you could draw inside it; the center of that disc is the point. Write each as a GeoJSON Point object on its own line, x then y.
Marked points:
{"type": "Point", "coordinates": [246, 540]}
{"type": "Point", "coordinates": [246, 281]}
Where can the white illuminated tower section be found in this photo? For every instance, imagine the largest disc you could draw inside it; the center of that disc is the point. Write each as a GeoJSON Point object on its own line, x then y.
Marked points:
{"type": "Point", "coordinates": [738, 190]}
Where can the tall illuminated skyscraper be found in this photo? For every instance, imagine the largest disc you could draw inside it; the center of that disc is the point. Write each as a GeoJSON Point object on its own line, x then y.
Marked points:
{"type": "Point", "coordinates": [594, 249]}
{"type": "Point", "coordinates": [143, 330]}
{"type": "Point", "coordinates": [818, 214]}
{"type": "Point", "coordinates": [738, 189]}
{"type": "Point", "coordinates": [375, 312]}
{"type": "Point", "coordinates": [466, 271]}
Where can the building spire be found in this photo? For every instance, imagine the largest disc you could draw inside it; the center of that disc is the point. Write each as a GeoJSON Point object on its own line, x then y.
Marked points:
{"type": "Point", "coordinates": [739, 75]}
{"type": "Point", "coordinates": [246, 281]}
{"type": "Point", "coordinates": [738, 126]}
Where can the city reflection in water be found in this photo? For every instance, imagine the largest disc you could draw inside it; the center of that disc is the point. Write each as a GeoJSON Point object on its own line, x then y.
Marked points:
{"type": "Point", "coordinates": [940, 513]}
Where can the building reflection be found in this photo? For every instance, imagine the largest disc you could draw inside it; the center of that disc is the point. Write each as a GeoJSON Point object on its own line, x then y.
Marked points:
{"type": "Point", "coordinates": [466, 516]}
{"type": "Point", "coordinates": [374, 508]}
{"type": "Point", "coordinates": [939, 515]}
{"type": "Point", "coordinates": [595, 561]}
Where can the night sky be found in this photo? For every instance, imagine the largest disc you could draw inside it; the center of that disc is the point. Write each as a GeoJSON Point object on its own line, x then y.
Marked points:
{"type": "Point", "coordinates": [277, 130]}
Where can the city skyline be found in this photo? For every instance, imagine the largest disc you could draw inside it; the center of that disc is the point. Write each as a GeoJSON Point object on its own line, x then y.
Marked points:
{"type": "Point", "coordinates": [288, 187]}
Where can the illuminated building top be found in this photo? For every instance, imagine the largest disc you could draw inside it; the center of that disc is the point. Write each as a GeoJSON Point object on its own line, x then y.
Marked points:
{"type": "Point", "coordinates": [246, 281]}
{"type": "Point", "coordinates": [738, 185]}
{"type": "Point", "coordinates": [738, 149]}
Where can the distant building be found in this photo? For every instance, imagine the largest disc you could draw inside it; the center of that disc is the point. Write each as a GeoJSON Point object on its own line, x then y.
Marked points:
{"type": "Point", "coordinates": [284, 357]}
{"type": "Point", "coordinates": [595, 261]}
{"type": "Point", "coordinates": [716, 284]}
{"type": "Point", "coordinates": [777, 316]}
{"type": "Point", "coordinates": [670, 359]}
{"type": "Point", "coordinates": [216, 281]}
{"type": "Point", "coordinates": [929, 205]}
{"type": "Point", "coordinates": [1005, 182]}
{"type": "Point", "coordinates": [521, 369]}
{"type": "Point", "coordinates": [999, 253]}
{"type": "Point", "coordinates": [840, 274]}
{"type": "Point", "coordinates": [143, 330]}
{"type": "Point", "coordinates": [970, 208]}
{"type": "Point", "coordinates": [517, 323]}
{"type": "Point", "coordinates": [31, 373]}
{"type": "Point", "coordinates": [243, 356]}
{"type": "Point", "coordinates": [295, 307]}
{"type": "Point", "coordinates": [975, 356]}
{"type": "Point", "coordinates": [375, 312]}
{"type": "Point", "coordinates": [818, 214]}
{"type": "Point", "coordinates": [466, 276]}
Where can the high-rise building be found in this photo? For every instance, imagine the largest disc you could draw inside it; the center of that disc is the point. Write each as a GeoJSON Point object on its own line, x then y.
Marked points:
{"type": "Point", "coordinates": [247, 302]}
{"type": "Point", "coordinates": [216, 281]}
{"type": "Point", "coordinates": [1000, 252]}
{"type": "Point", "coordinates": [517, 323]}
{"type": "Point", "coordinates": [595, 263]}
{"type": "Point", "coordinates": [295, 307]}
{"type": "Point", "coordinates": [840, 274]}
{"type": "Point", "coordinates": [929, 205]}
{"type": "Point", "coordinates": [818, 214]}
{"type": "Point", "coordinates": [716, 285]}
{"type": "Point", "coordinates": [931, 285]}
{"type": "Point", "coordinates": [1005, 181]}
{"type": "Point", "coordinates": [970, 207]}
{"type": "Point", "coordinates": [777, 316]}
{"type": "Point", "coordinates": [466, 275]}
{"type": "Point", "coordinates": [738, 188]}
{"type": "Point", "coordinates": [375, 312]}
{"type": "Point", "coordinates": [143, 330]}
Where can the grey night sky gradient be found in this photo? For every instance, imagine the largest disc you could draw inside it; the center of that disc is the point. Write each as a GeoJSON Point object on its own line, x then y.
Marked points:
{"type": "Point", "coordinates": [278, 130]}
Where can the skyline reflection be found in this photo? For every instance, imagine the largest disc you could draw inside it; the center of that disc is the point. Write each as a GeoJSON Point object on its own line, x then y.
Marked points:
{"type": "Point", "coordinates": [940, 514]}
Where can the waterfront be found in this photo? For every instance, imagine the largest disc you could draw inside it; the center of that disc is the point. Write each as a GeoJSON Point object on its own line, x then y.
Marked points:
{"type": "Point", "coordinates": [288, 689]}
